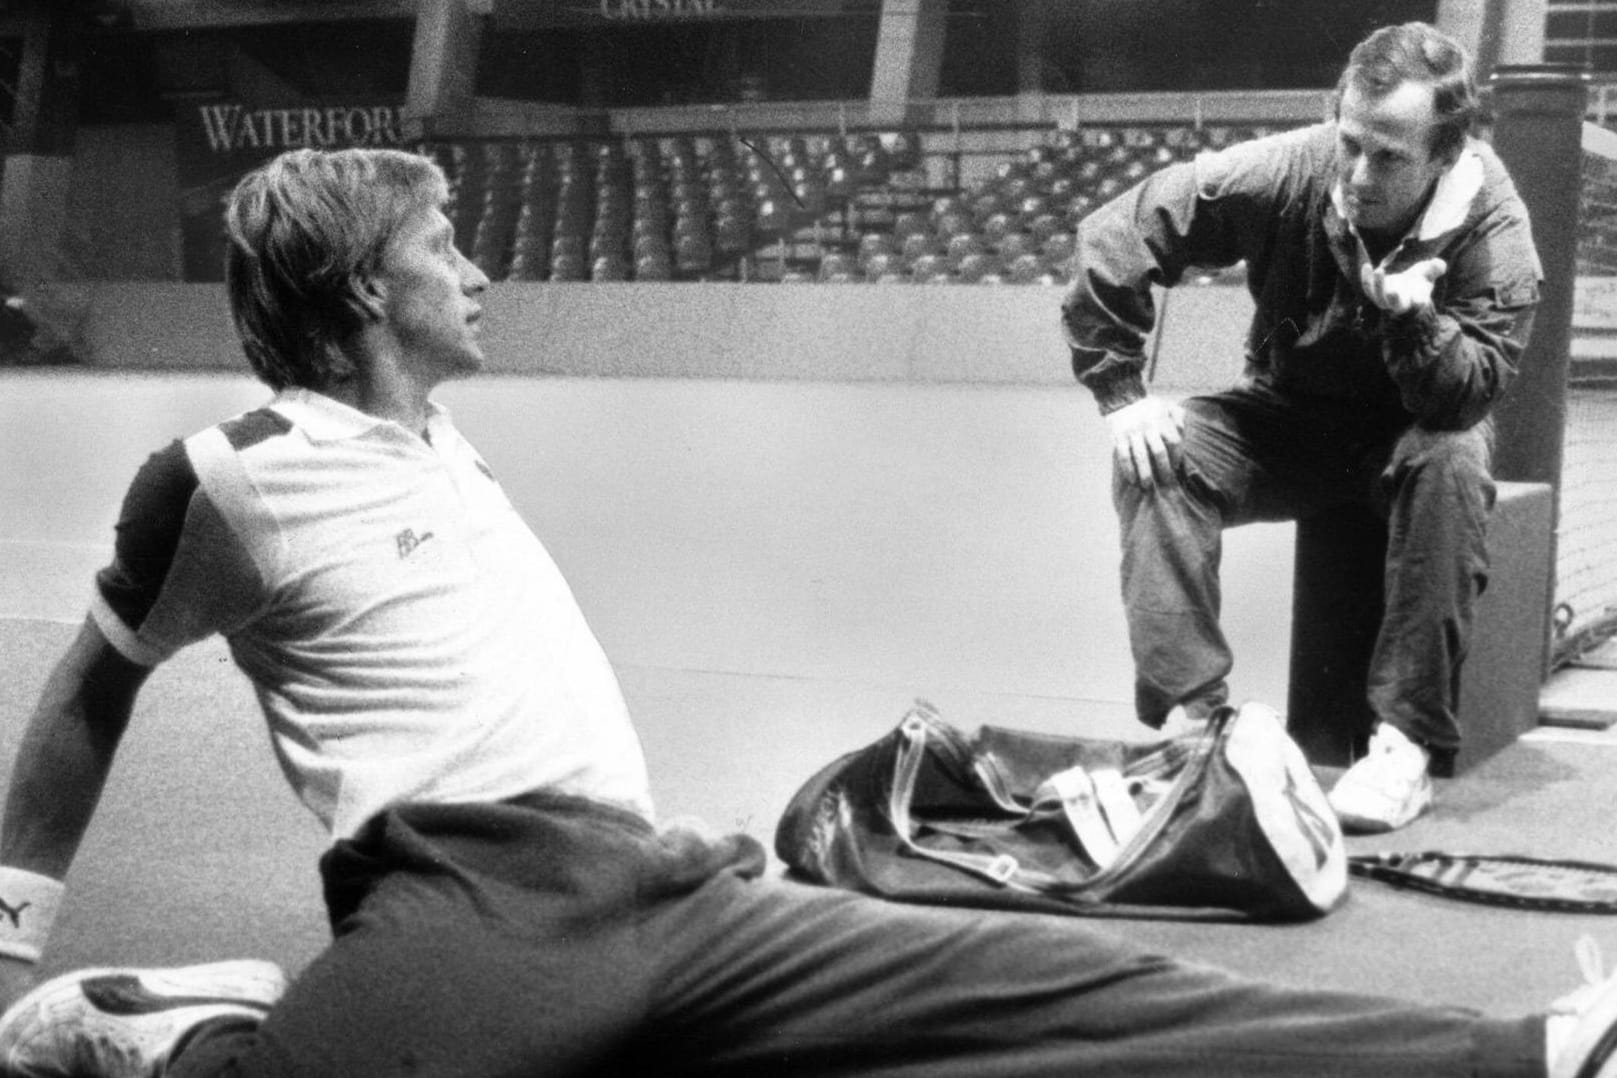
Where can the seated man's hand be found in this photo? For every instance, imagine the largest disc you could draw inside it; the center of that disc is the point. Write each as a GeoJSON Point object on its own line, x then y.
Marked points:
{"type": "Point", "coordinates": [16, 979]}
{"type": "Point", "coordinates": [1398, 293]}
{"type": "Point", "coordinates": [1145, 440]}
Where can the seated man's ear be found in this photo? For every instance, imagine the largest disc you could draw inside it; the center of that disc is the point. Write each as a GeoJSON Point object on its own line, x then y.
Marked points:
{"type": "Point", "coordinates": [369, 301]}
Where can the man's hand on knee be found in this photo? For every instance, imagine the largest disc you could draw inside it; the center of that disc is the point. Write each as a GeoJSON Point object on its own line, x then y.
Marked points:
{"type": "Point", "coordinates": [1146, 436]}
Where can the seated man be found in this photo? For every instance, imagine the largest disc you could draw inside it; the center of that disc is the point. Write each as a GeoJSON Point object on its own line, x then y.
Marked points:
{"type": "Point", "coordinates": [1394, 277]}
{"type": "Point", "coordinates": [501, 900]}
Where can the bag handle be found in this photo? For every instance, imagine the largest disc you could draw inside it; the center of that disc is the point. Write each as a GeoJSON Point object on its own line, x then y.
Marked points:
{"type": "Point", "coordinates": [1001, 868]}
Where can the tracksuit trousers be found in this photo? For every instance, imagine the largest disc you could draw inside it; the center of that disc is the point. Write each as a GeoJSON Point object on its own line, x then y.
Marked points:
{"type": "Point", "coordinates": [558, 936]}
{"type": "Point", "coordinates": [1253, 454]}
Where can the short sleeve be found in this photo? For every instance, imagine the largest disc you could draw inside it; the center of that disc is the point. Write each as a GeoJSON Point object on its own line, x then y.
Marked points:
{"type": "Point", "coordinates": [178, 572]}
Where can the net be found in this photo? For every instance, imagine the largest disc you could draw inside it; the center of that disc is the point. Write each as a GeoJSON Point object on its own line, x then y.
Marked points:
{"type": "Point", "coordinates": [1586, 537]}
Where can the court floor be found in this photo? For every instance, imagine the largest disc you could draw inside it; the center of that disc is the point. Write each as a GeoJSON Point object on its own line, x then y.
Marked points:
{"type": "Point", "coordinates": [777, 569]}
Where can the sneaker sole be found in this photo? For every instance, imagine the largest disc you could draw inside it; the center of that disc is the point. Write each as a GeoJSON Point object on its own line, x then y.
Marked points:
{"type": "Point", "coordinates": [126, 991]}
{"type": "Point", "coordinates": [245, 983]}
{"type": "Point", "coordinates": [1355, 824]}
{"type": "Point", "coordinates": [245, 987]}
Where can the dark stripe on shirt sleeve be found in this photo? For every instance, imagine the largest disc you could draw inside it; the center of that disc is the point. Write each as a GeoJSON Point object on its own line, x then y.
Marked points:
{"type": "Point", "coordinates": [249, 429]}
{"type": "Point", "coordinates": [148, 534]}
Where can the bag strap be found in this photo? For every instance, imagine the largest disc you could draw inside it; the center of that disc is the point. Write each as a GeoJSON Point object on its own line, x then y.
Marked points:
{"type": "Point", "coordinates": [1001, 868]}
{"type": "Point", "coordinates": [1527, 883]}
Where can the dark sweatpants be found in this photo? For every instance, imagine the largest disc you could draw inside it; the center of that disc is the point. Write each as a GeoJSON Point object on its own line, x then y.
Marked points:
{"type": "Point", "coordinates": [1251, 454]}
{"type": "Point", "coordinates": [556, 936]}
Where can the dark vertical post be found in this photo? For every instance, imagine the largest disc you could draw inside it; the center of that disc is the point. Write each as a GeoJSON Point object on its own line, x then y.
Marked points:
{"type": "Point", "coordinates": [1538, 133]}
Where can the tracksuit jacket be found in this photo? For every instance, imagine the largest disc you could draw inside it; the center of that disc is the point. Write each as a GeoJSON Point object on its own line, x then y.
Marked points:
{"type": "Point", "coordinates": [1271, 203]}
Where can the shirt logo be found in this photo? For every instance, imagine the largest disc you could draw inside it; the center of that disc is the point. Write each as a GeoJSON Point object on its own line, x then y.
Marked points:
{"type": "Point", "coordinates": [13, 913]}
{"type": "Point", "coordinates": [408, 542]}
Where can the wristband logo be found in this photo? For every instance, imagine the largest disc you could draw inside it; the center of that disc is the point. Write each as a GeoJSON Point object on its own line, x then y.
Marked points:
{"type": "Point", "coordinates": [13, 913]}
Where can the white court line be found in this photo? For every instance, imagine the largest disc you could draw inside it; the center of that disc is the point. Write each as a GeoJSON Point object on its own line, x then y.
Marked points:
{"type": "Point", "coordinates": [1571, 735]}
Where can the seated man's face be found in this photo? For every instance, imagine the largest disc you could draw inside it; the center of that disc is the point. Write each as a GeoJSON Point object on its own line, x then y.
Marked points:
{"type": "Point", "coordinates": [432, 296]}
{"type": "Point", "coordinates": [1384, 157]}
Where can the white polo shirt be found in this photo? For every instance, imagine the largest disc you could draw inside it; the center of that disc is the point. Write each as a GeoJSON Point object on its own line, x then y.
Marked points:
{"type": "Point", "coordinates": [408, 636]}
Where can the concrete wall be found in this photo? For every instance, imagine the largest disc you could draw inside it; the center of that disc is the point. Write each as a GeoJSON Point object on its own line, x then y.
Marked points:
{"type": "Point", "coordinates": [886, 333]}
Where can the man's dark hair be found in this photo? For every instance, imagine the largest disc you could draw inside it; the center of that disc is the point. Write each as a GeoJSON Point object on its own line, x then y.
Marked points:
{"type": "Point", "coordinates": [1418, 52]}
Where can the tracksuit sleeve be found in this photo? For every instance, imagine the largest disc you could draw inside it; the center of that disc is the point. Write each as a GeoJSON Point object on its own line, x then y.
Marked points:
{"type": "Point", "coordinates": [1182, 216]}
{"type": "Point", "coordinates": [1453, 362]}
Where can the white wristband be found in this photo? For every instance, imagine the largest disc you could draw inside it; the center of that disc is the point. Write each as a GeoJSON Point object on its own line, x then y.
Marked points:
{"type": "Point", "coordinates": [28, 904]}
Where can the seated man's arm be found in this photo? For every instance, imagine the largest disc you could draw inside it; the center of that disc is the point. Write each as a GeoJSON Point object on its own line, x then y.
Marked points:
{"type": "Point", "coordinates": [1455, 346]}
{"type": "Point", "coordinates": [62, 766]}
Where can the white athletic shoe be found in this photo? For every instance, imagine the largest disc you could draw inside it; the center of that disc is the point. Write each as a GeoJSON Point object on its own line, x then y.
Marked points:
{"type": "Point", "coordinates": [124, 1023]}
{"type": "Point", "coordinates": [1581, 1031]}
{"type": "Point", "coordinates": [1388, 788]}
{"type": "Point", "coordinates": [1179, 725]}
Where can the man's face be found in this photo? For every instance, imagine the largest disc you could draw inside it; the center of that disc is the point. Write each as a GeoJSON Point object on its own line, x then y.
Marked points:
{"type": "Point", "coordinates": [431, 297]}
{"type": "Point", "coordinates": [1384, 157]}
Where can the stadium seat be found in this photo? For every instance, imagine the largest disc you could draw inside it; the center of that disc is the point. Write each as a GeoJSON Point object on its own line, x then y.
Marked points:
{"type": "Point", "coordinates": [1079, 206]}
{"type": "Point", "coordinates": [953, 224]}
{"type": "Point", "coordinates": [874, 243]}
{"type": "Point", "coordinates": [773, 219]}
{"type": "Point", "coordinates": [605, 244]}
{"type": "Point", "coordinates": [651, 243]}
{"type": "Point", "coordinates": [840, 183]}
{"type": "Point", "coordinates": [526, 266]}
{"type": "Point", "coordinates": [1014, 245]}
{"type": "Point", "coordinates": [1058, 248]}
{"type": "Point", "coordinates": [653, 267]}
{"type": "Point", "coordinates": [976, 266]}
{"type": "Point", "coordinates": [1025, 269]}
{"type": "Point", "coordinates": [810, 197]}
{"type": "Point", "coordinates": [732, 234]}
{"type": "Point", "coordinates": [873, 169]}
{"type": "Point", "coordinates": [930, 268]}
{"type": "Point", "coordinates": [839, 268]}
{"type": "Point", "coordinates": [609, 268]}
{"type": "Point", "coordinates": [567, 267]}
{"type": "Point", "coordinates": [903, 150]}
{"type": "Point", "coordinates": [691, 224]}
{"type": "Point", "coordinates": [693, 254]}
{"type": "Point", "coordinates": [996, 226]}
{"type": "Point", "coordinates": [884, 264]}
{"type": "Point", "coordinates": [1043, 226]}
{"type": "Point", "coordinates": [1014, 189]}
{"type": "Point", "coordinates": [909, 223]}
{"type": "Point", "coordinates": [917, 245]}
{"type": "Point", "coordinates": [961, 245]}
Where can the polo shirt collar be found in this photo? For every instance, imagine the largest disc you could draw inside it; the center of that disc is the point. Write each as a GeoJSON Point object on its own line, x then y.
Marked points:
{"type": "Point", "coordinates": [324, 419]}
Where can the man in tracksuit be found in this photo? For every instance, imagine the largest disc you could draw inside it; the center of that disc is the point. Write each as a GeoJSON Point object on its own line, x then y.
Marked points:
{"type": "Point", "coordinates": [1395, 278]}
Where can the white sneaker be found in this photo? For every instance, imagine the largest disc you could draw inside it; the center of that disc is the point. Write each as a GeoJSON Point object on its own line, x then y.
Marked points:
{"type": "Point", "coordinates": [1386, 789]}
{"type": "Point", "coordinates": [124, 1023]}
{"type": "Point", "coordinates": [1180, 724]}
{"type": "Point", "coordinates": [1581, 1031]}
